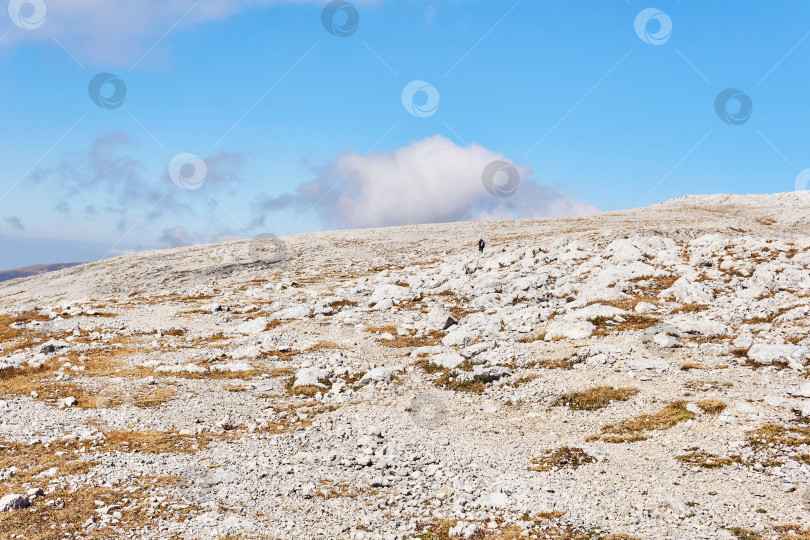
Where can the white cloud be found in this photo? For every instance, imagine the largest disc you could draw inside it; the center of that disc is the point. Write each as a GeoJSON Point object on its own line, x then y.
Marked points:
{"type": "Point", "coordinates": [119, 32]}
{"type": "Point", "coordinates": [181, 236]}
{"type": "Point", "coordinates": [429, 181]}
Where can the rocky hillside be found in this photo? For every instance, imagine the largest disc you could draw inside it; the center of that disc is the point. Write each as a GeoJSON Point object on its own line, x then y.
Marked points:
{"type": "Point", "coordinates": [638, 374]}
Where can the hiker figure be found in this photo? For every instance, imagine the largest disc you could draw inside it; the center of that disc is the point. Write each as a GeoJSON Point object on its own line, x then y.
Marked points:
{"type": "Point", "coordinates": [481, 245]}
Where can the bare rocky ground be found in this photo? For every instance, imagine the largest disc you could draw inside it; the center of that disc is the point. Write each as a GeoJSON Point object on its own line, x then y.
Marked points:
{"type": "Point", "coordinates": [639, 374]}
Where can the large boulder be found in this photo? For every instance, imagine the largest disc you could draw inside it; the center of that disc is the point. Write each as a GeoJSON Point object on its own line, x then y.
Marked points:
{"type": "Point", "coordinates": [293, 313]}
{"type": "Point", "coordinates": [389, 292]}
{"type": "Point", "coordinates": [440, 319]}
{"type": "Point", "coordinates": [251, 327]}
{"type": "Point", "coordinates": [802, 390]}
{"type": "Point", "coordinates": [14, 502]}
{"type": "Point", "coordinates": [563, 329]}
{"type": "Point", "coordinates": [447, 360]}
{"type": "Point", "coordinates": [770, 353]}
{"type": "Point", "coordinates": [461, 337]}
{"type": "Point", "coordinates": [647, 364]}
{"type": "Point", "coordinates": [490, 374]}
{"type": "Point", "coordinates": [310, 377]}
{"type": "Point", "coordinates": [688, 292]}
{"type": "Point", "coordinates": [378, 374]}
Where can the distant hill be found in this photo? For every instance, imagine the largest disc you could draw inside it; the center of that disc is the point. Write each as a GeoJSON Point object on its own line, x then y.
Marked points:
{"type": "Point", "coordinates": [35, 269]}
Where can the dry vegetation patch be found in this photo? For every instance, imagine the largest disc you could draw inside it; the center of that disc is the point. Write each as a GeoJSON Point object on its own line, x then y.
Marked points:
{"type": "Point", "coordinates": [14, 333]}
{"type": "Point", "coordinates": [711, 406]}
{"type": "Point", "coordinates": [536, 337]}
{"type": "Point", "coordinates": [707, 386]}
{"type": "Point", "coordinates": [690, 308]}
{"type": "Point", "coordinates": [624, 323]}
{"type": "Point", "coordinates": [595, 398]}
{"type": "Point", "coordinates": [559, 363]}
{"type": "Point", "coordinates": [69, 510]}
{"type": "Point", "coordinates": [551, 527]}
{"type": "Point", "coordinates": [692, 365]}
{"type": "Point", "coordinates": [699, 458]}
{"type": "Point", "coordinates": [560, 458]}
{"type": "Point", "coordinates": [434, 337]}
{"type": "Point", "coordinates": [635, 429]}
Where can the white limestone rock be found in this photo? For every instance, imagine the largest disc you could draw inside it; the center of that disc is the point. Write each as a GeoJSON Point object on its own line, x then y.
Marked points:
{"type": "Point", "coordinates": [562, 329]}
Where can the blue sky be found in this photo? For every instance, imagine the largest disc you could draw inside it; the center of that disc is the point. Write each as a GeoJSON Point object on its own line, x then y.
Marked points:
{"type": "Point", "coordinates": [302, 130]}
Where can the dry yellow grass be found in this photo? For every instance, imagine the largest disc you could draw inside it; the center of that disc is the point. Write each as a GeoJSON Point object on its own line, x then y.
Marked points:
{"type": "Point", "coordinates": [707, 386]}
{"type": "Point", "coordinates": [14, 338]}
{"type": "Point", "coordinates": [699, 458]}
{"type": "Point", "coordinates": [434, 337]}
{"type": "Point", "coordinates": [792, 532]}
{"type": "Point", "coordinates": [690, 308]}
{"type": "Point", "coordinates": [711, 406]}
{"type": "Point", "coordinates": [777, 435]}
{"type": "Point", "coordinates": [635, 429]}
{"type": "Point", "coordinates": [561, 458]}
{"type": "Point", "coordinates": [156, 397]}
{"type": "Point", "coordinates": [692, 365]}
{"type": "Point", "coordinates": [73, 508]}
{"type": "Point", "coordinates": [381, 329]}
{"type": "Point", "coordinates": [595, 398]}
{"type": "Point", "coordinates": [630, 321]}
{"type": "Point", "coordinates": [560, 363]}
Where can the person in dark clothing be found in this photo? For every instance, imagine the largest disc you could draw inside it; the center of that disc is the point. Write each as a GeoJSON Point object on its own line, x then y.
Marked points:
{"type": "Point", "coordinates": [481, 245]}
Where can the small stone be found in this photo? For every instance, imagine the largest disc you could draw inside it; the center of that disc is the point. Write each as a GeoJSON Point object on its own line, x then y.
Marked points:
{"type": "Point", "coordinates": [787, 487]}
{"type": "Point", "coordinates": [692, 408]}
{"type": "Point", "coordinates": [68, 402]}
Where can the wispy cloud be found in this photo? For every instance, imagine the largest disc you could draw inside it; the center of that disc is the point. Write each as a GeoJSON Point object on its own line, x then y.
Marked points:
{"type": "Point", "coordinates": [15, 223]}
{"type": "Point", "coordinates": [109, 180]}
{"type": "Point", "coordinates": [121, 32]}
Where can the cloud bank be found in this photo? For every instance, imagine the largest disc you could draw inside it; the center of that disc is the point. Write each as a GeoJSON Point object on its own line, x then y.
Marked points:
{"type": "Point", "coordinates": [432, 180]}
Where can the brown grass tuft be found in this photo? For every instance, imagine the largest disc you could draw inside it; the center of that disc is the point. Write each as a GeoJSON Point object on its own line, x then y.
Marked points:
{"type": "Point", "coordinates": [699, 458]}
{"type": "Point", "coordinates": [712, 406]}
{"type": "Point", "coordinates": [560, 458]}
{"type": "Point", "coordinates": [634, 429]}
{"type": "Point", "coordinates": [595, 398]}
